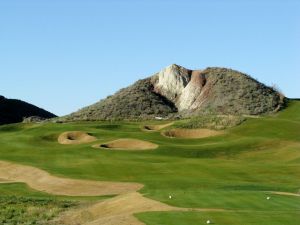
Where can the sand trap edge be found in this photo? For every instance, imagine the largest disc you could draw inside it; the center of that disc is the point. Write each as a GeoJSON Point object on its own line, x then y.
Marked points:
{"type": "Point", "coordinates": [79, 137]}
{"type": "Point", "coordinates": [155, 127]}
{"type": "Point", "coordinates": [124, 141]}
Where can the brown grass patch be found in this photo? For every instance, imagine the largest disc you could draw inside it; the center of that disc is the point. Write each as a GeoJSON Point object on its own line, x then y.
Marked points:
{"type": "Point", "coordinates": [75, 137]}
{"type": "Point", "coordinates": [191, 133]}
{"type": "Point", "coordinates": [119, 210]}
{"type": "Point", "coordinates": [41, 180]}
{"type": "Point", "coordinates": [127, 144]}
{"type": "Point", "coordinates": [156, 127]}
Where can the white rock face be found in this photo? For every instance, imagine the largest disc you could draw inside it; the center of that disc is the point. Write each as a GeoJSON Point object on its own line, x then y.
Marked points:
{"type": "Point", "coordinates": [171, 81]}
{"type": "Point", "coordinates": [182, 86]}
{"type": "Point", "coordinates": [190, 95]}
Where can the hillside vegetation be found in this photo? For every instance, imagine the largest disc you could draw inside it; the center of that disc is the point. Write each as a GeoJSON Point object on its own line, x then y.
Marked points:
{"type": "Point", "coordinates": [179, 92]}
{"type": "Point", "coordinates": [134, 102]}
{"type": "Point", "coordinates": [15, 111]}
{"type": "Point", "coordinates": [233, 92]}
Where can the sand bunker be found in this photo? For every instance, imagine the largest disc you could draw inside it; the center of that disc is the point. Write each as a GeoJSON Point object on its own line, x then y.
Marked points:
{"type": "Point", "coordinates": [191, 133]}
{"type": "Point", "coordinates": [156, 127]}
{"type": "Point", "coordinates": [41, 180]}
{"type": "Point", "coordinates": [127, 144]}
{"type": "Point", "coordinates": [75, 137]}
{"type": "Point", "coordinates": [119, 211]}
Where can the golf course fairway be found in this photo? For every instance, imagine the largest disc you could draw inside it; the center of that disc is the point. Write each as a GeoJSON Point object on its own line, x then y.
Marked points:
{"type": "Point", "coordinates": [240, 176]}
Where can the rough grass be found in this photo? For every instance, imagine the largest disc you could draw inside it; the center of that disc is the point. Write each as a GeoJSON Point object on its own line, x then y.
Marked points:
{"type": "Point", "coordinates": [230, 171]}
{"type": "Point", "coordinates": [19, 204]}
{"type": "Point", "coordinates": [22, 210]}
{"type": "Point", "coordinates": [22, 205]}
{"type": "Point", "coordinates": [214, 122]}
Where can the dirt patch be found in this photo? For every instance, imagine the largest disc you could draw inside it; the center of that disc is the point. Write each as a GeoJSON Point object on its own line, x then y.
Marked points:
{"type": "Point", "coordinates": [156, 127]}
{"type": "Point", "coordinates": [119, 211]}
{"type": "Point", "coordinates": [41, 180]}
{"type": "Point", "coordinates": [285, 193]}
{"type": "Point", "coordinates": [191, 133]}
{"type": "Point", "coordinates": [75, 137]}
{"type": "Point", "coordinates": [127, 144]}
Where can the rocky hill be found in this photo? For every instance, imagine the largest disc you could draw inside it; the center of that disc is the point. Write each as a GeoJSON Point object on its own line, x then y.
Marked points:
{"type": "Point", "coordinates": [14, 111]}
{"type": "Point", "coordinates": [177, 91]}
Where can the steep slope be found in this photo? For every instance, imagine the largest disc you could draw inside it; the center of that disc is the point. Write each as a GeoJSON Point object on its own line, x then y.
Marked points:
{"type": "Point", "coordinates": [14, 111]}
{"type": "Point", "coordinates": [136, 101]}
{"type": "Point", "coordinates": [179, 91]}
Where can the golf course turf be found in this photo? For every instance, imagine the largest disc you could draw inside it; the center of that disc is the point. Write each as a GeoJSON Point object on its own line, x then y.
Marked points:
{"type": "Point", "coordinates": [236, 170]}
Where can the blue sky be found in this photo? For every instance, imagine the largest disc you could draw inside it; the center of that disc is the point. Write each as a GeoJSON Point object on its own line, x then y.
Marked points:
{"type": "Point", "coordinates": [65, 54]}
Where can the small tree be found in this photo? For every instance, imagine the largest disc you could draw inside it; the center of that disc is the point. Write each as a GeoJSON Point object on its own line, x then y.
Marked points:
{"type": "Point", "coordinates": [276, 88]}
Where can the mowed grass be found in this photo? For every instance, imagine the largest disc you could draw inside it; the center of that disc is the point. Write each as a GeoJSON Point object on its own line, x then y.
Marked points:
{"type": "Point", "coordinates": [223, 218]}
{"type": "Point", "coordinates": [234, 171]}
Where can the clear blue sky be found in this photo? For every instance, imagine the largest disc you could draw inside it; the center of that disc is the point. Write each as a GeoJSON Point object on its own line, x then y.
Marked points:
{"type": "Point", "coordinates": [65, 54]}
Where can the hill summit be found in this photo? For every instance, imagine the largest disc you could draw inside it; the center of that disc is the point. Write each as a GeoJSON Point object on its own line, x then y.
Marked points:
{"type": "Point", "coordinates": [15, 111]}
{"type": "Point", "coordinates": [177, 91]}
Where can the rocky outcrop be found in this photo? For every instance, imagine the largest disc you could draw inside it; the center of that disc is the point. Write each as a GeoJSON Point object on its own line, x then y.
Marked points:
{"type": "Point", "coordinates": [182, 86]}
{"type": "Point", "coordinates": [193, 95]}
{"type": "Point", "coordinates": [171, 81]}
